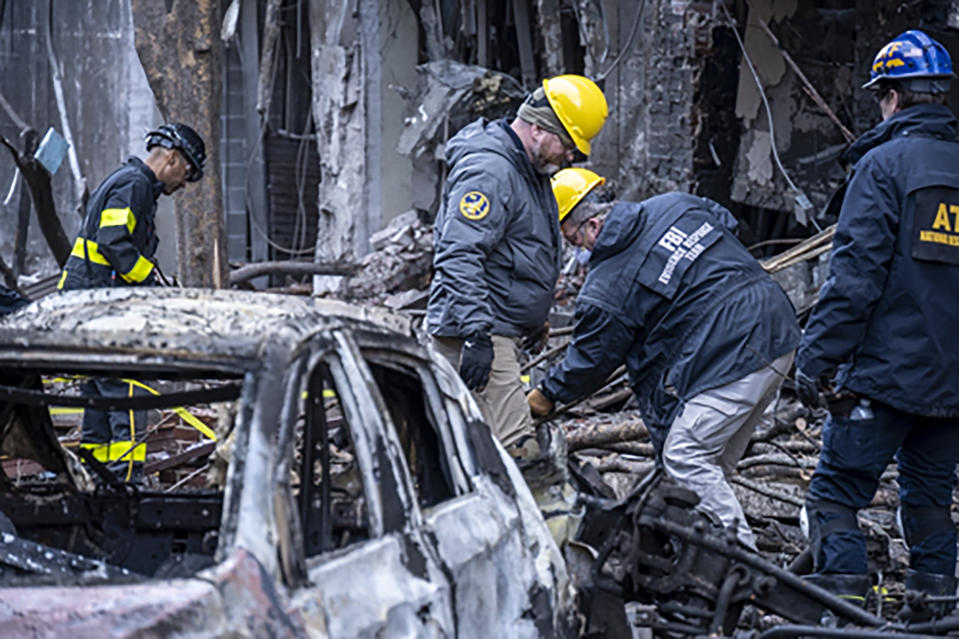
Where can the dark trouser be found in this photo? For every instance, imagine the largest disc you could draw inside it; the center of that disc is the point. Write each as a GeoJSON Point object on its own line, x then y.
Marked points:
{"type": "Point", "coordinates": [112, 435]}
{"type": "Point", "coordinates": [854, 455]}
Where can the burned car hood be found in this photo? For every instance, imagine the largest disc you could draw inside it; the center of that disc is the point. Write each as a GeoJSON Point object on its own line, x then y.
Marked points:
{"type": "Point", "coordinates": [235, 598]}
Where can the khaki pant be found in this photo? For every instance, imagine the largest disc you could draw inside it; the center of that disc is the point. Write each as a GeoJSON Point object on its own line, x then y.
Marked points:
{"type": "Point", "coordinates": [503, 401]}
{"type": "Point", "coordinates": [710, 435]}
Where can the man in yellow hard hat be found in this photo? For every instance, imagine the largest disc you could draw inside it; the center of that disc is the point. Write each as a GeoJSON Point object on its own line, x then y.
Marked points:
{"type": "Point", "coordinates": [497, 243]}
{"type": "Point", "coordinates": [706, 334]}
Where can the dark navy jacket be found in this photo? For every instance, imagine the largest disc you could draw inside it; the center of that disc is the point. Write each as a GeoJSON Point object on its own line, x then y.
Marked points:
{"type": "Point", "coordinates": [888, 312]}
{"type": "Point", "coordinates": [675, 295]}
{"type": "Point", "coordinates": [496, 238]}
{"type": "Point", "coordinates": [119, 230]}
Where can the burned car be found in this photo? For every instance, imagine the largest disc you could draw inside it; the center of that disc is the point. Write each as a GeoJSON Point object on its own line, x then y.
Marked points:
{"type": "Point", "coordinates": [311, 469]}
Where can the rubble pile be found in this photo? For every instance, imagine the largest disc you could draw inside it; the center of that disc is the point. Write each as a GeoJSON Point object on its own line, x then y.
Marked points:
{"type": "Point", "coordinates": [606, 430]}
{"type": "Point", "coordinates": [770, 480]}
{"type": "Point", "coordinates": [397, 269]}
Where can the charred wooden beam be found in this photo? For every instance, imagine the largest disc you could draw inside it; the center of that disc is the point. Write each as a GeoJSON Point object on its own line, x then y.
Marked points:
{"type": "Point", "coordinates": [38, 180]}
{"type": "Point", "coordinates": [599, 435]}
{"type": "Point", "coordinates": [193, 452]}
{"type": "Point", "coordinates": [31, 139]}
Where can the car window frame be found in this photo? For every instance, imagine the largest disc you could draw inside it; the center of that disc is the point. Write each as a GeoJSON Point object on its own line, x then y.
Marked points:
{"type": "Point", "coordinates": [336, 349]}
{"type": "Point", "coordinates": [434, 400]}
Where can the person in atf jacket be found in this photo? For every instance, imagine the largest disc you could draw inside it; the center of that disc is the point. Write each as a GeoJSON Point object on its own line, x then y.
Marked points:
{"type": "Point", "coordinates": [705, 333]}
{"type": "Point", "coordinates": [115, 247]}
{"type": "Point", "coordinates": [883, 333]}
{"type": "Point", "coordinates": [497, 246]}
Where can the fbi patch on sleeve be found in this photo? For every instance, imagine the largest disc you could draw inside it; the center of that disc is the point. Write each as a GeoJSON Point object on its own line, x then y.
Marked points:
{"type": "Point", "coordinates": [936, 225]}
{"type": "Point", "coordinates": [474, 205]}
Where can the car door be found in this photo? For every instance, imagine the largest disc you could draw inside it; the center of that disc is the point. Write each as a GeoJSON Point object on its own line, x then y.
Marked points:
{"type": "Point", "coordinates": [366, 571]}
{"type": "Point", "coordinates": [507, 576]}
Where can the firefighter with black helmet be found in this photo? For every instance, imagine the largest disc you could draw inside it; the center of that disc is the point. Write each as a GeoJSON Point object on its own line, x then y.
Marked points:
{"type": "Point", "coordinates": [116, 247]}
{"type": "Point", "coordinates": [882, 335]}
{"type": "Point", "coordinates": [118, 239]}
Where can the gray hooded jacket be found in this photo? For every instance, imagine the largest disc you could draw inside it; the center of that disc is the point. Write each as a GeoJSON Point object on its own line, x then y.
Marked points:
{"type": "Point", "coordinates": [497, 244]}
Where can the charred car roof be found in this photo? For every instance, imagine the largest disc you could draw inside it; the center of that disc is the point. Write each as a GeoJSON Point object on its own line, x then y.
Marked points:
{"type": "Point", "coordinates": [217, 327]}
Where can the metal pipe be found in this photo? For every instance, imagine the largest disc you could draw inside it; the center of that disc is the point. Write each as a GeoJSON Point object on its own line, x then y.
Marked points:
{"type": "Point", "coordinates": [845, 633]}
{"type": "Point", "coordinates": [723, 599]}
{"type": "Point", "coordinates": [753, 560]}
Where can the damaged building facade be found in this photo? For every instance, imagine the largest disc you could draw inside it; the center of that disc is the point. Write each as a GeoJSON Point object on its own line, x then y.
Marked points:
{"type": "Point", "coordinates": [749, 103]}
{"type": "Point", "coordinates": [331, 124]}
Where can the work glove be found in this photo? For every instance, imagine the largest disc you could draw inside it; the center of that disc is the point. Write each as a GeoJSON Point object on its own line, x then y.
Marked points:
{"type": "Point", "coordinates": [539, 404]}
{"type": "Point", "coordinates": [536, 340]}
{"type": "Point", "coordinates": [807, 388]}
{"type": "Point", "coordinates": [476, 361]}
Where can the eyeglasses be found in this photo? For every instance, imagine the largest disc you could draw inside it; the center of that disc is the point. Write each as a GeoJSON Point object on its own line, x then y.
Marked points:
{"type": "Point", "coordinates": [574, 236]}
{"type": "Point", "coordinates": [569, 148]}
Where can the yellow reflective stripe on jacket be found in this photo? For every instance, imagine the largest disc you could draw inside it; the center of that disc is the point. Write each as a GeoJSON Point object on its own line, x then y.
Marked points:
{"type": "Point", "coordinates": [66, 410]}
{"type": "Point", "coordinates": [92, 252]}
{"type": "Point", "coordinates": [117, 451]}
{"type": "Point", "coordinates": [139, 272]}
{"type": "Point", "coordinates": [118, 217]}
{"type": "Point", "coordinates": [63, 278]}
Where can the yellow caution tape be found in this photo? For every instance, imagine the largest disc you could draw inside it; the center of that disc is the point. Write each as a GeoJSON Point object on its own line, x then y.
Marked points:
{"type": "Point", "coordinates": [179, 410]}
{"type": "Point", "coordinates": [184, 414]}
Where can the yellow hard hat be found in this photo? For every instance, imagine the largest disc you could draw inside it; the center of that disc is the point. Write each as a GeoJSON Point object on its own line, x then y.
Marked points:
{"type": "Point", "coordinates": [580, 106]}
{"type": "Point", "coordinates": [571, 185]}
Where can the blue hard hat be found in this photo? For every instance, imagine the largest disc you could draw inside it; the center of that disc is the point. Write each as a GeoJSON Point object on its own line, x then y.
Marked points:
{"type": "Point", "coordinates": [912, 57]}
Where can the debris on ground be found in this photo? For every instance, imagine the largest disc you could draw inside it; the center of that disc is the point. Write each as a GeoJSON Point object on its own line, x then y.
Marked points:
{"type": "Point", "coordinates": [397, 268]}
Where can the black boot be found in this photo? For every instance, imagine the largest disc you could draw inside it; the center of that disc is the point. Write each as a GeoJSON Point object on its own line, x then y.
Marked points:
{"type": "Point", "coordinates": [920, 586]}
{"type": "Point", "coordinates": [850, 588]}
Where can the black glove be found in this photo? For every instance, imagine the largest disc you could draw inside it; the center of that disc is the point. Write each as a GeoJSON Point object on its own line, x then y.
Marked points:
{"type": "Point", "coordinates": [808, 390]}
{"type": "Point", "coordinates": [535, 341]}
{"type": "Point", "coordinates": [477, 360]}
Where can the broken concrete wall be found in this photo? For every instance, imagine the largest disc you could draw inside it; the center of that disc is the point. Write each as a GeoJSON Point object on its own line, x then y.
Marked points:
{"type": "Point", "coordinates": [399, 262]}
{"type": "Point", "coordinates": [648, 145]}
{"type": "Point", "coordinates": [340, 119]}
{"type": "Point", "coordinates": [108, 102]}
{"type": "Point", "coordinates": [685, 113]}
{"type": "Point", "coordinates": [359, 59]}
{"type": "Point", "coordinates": [807, 141]}
{"type": "Point", "coordinates": [833, 45]}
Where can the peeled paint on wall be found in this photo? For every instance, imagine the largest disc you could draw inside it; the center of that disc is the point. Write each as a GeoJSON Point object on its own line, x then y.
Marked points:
{"type": "Point", "coordinates": [767, 60]}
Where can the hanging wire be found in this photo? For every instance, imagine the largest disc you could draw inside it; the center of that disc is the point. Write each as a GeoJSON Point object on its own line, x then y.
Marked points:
{"type": "Point", "coordinates": [629, 42]}
{"type": "Point", "coordinates": [251, 157]}
{"type": "Point", "coordinates": [583, 37]}
{"type": "Point", "coordinates": [801, 198]}
{"type": "Point", "coordinates": [299, 236]}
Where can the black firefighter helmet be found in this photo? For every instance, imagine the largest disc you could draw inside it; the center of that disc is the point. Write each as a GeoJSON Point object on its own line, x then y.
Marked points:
{"type": "Point", "coordinates": [185, 140]}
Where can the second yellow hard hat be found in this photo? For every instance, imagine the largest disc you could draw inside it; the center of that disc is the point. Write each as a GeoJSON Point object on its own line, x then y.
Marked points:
{"type": "Point", "coordinates": [570, 186]}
